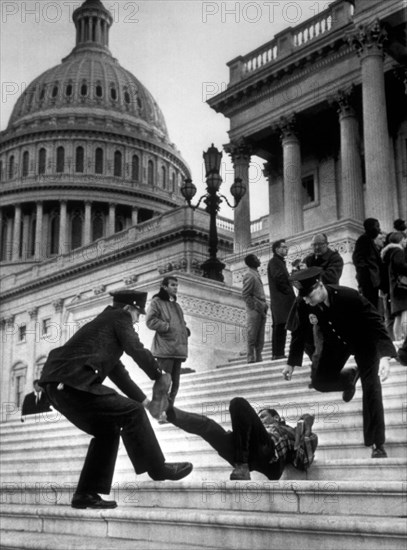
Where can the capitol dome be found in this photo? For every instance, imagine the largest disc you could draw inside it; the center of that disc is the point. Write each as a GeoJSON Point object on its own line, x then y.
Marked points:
{"type": "Point", "coordinates": [86, 153]}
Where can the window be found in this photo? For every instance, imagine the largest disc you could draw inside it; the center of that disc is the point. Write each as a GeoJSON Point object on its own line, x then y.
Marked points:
{"type": "Point", "coordinates": [99, 91]}
{"type": "Point", "coordinates": [135, 168]}
{"type": "Point", "coordinates": [84, 90]}
{"type": "Point", "coordinates": [54, 91]}
{"type": "Point", "coordinates": [126, 97]}
{"type": "Point", "coordinates": [22, 333]}
{"type": "Point", "coordinates": [99, 161]}
{"type": "Point", "coordinates": [79, 159]}
{"type": "Point", "coordinates": [11, 167]}
{"type": "Point", "coordinates": [97, 225]}
{"type": "Point", "coordinates": [150, 173]}
{"type": "Point", "coordinates": [42, 160]}
{"type": "Point", "coordinates": [113, 93]}
{"type": "Point", "coordinates": [164, 177]}
{"type": "Point", "coordinates": [60, 159]}
{"type": "Point", "coordinates": [69, 90]}
{"type": "Point", "coordinates": [26, 159]}
{"type": "Point", "coordinates": [309, 190]}
{"type": "Point", "coordinates": [46, 327]}
{"type": "Point", "coordinates": [117, 164]}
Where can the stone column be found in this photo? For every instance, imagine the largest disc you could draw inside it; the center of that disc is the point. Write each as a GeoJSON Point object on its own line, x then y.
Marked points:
{"type": "Point", "coordinates": [16, 232]}
{"type": "Point", "coordinates": [293, 193]}
{"type": "Point", "coordinates": [62, 249]}
{"type": "Point", "coordinates": [111, 220]}
{"type": "Point", "coordinates": [134, 215]}
{"type": "Point", "coordinates": [9, 245]}
{"type": "Point", "coordinates": [351, 162]}
{"type": "Point", "coordinates": [87, 238]}
{"type": "Point", "coordinates": [240, 153]}
{"type": "Point", "coordinates": [368, 42]}
{"type": "Point", "coordinates": [25, 239]}
{"type": "Point", "coordinates": [38, 232]}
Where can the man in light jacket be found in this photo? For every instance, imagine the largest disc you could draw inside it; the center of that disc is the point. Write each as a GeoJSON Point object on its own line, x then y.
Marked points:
{"type": "Point", "coordinates": [170, 343]}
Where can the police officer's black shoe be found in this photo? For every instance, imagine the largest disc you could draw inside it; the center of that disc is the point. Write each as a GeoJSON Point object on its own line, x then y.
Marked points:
{"type": "Point", "coordinates": [91, 500]}
{"type": "Point", "coordinates": [172, 471]}
{"type": "Point", "coordinates": [348, 394]}
{"type": "Point", "coordinates": [159, 402]}
{"type": "Point", "coordinates": [379, 451]}
{"type": "Point", "coordinates": [350, 377]}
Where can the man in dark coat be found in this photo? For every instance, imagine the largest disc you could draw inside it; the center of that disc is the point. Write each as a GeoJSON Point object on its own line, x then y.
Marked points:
{"type": "Point", "coordinates": [35, 402]}
{"type": "Point", "coordinates": [330, 261]}
{"type": "Point", "coordinates": [73, 380]}
{"type": "Point", "coordinates": [258, 441]}
{"type": "Point", "coordinates": [367, 262]}
{"type": "Point", "coordinates": [282, 297]}
{"type": "Point", "coordinates": [347, 324]}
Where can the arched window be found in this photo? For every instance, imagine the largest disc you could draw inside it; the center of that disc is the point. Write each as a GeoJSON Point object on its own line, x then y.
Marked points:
{"type": "Point", "coordinates": [54, 91]}
{"type": "Point", "coordinates": [79, 159]}
{"type": "Point", "coordinates": [84, 90]}
{"type": "Point", "coordinates": [150, 173]}
{"type": "Point", "coordinates": [18, 379]}
{"type": "Point", "coordinates": [97, 225]}
{"type": "Point", "coordinates": [26, 160]}
{"type": "Point", "coordinates": [54, 233]}
{"type": "Point", "coordinates": [68, 90]}
{"type": "Point", "coordinates": [99, 161]}
{"type": "Point", "coordinates": [113, 93]}
{"type": "Point", "coordinates": [99, 90]}
{"type": "Point", "coordinates": [60, 159]}
{"type": "Point", "coordinates": [42, 161]}
{"type": "Point", "coordinates": [163, 177]}
{"type": "Point", "coordinates": [11, 167]}
{"type": "Point", "coordinates": [76, 229]}
{"type": "Point", "coordinates": [117, 164]}
{"type": "Point", "coordinates": [135, 168]}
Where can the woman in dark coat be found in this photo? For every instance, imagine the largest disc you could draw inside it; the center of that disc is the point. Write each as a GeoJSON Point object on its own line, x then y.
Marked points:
{"type": "Point", "coordinates": [393, 256]}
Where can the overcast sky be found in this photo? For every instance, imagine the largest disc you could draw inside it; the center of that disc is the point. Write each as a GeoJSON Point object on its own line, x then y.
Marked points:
{"type": "Point", "coordinates": [177, 48]}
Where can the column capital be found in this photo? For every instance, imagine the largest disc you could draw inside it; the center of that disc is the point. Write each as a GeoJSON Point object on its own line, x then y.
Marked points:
{"type": "Point", "coordinates": [288, 127]}
{"type": "Point", "coordinates": [58, 304]}
{"type": "Point", "coordinates": [239, 150]}
{"type": "Point", "coordinates": [369, 39]}
{"type": "Point", "coordinates": [33, 312]}
{"type": "Point", "coordinates": [344, 101]}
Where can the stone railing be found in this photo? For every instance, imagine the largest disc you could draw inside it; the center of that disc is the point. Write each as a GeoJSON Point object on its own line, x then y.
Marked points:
{"type": "Point", "coordinates": [291, 39]}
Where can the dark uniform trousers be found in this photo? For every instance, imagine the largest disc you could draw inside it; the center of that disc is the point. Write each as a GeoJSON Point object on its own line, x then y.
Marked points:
{"type": "Point", "coordinates": [107, 417]}
{"type": "Point", "coordinates": [249, 441]}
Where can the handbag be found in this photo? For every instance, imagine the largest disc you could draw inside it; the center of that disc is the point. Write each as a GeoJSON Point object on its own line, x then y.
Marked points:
{"type": "Point", "coordinates": [401, 283]}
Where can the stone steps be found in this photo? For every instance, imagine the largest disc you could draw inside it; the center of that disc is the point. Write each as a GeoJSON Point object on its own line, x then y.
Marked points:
{"type": "Point", "coordinates": [229, 529]}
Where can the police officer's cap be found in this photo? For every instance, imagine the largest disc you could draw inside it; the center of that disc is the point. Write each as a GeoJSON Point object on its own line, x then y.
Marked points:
{"type": "Point", "coordinates": [305, 279]}
{"type": "Point", "coordinates": [133, 298]}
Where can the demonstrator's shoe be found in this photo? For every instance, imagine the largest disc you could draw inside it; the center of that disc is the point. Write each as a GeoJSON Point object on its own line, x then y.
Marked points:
{"type": "Point", "coordinates": [172, 471]}
{"type": "Point", "coordinates": [91, 500]}
{"type": "Point", "coordinates": [303, 429]}
{"type": "Point", "coordinates": [240, 472]}
{"type": "Point", "coordinates": [379, 451]}
{"type": "Point", "coordinates": [159, 402]}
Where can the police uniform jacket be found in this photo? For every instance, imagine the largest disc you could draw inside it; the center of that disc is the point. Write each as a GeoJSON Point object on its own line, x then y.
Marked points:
{"type": "Point", "coordinates": [332, 264]}
{"type": "Point", "coordinates": [350, 321]}
{"type": "Point", "coordinates": [282, 294]}
{"type": "Point", "coordinates": [94, 352]}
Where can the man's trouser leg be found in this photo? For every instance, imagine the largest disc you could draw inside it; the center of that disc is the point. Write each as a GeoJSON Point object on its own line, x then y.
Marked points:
{"type": "Point", "coordinates": [253, 323]}
{"type": "Point", "coordinates": [373, 412]}
{"type": "Point", "coordinates": [105, 417]}
{"type": "Point", "coordinates": [260, 336]}
{"type": "Point", "coordinates": [327, 364]}
{"type": "Point", "coordinates": [278, 339]}
{"type": "Point", "coordinates": [208, 429]}
{"type": "Point", "coordinates": [173, 367]}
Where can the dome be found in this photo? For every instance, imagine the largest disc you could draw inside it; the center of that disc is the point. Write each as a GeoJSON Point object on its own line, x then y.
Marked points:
{"type": "Point", "coordinates": [90, 83]}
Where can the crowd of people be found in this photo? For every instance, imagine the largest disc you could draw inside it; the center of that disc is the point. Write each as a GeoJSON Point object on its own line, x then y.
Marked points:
{"type": "Point", "coordinates": [327, 321]}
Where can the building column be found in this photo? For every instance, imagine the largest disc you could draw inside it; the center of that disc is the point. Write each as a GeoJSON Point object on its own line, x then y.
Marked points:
{"type": "Point", "coordinates": [352, 199]}
{"type": "Point", "coordinates": [134, 215]}
{"type": "Point", "coordinates": [9, 244]}
{"type": "Point", "coordinates": [16, 232]}
{"type": "Point", "coordinates": [62, 249]}
{"type": "Point", "coordinates": [111, 220]}
{"type": "Point", "coordinates": [87, 227]}
{"type": "Point", "coordinates": [240, 154]}
{"type": "Point", "coordinates": [98, 31]}
{"type": "Point", "coordinates": [293, 193]}
{"type": "Point", "coordinates": [25, 240]}
{"type": "Point", "coordinates": [379, 189]}
{"type": "Point", "coordinates": [38, 232]}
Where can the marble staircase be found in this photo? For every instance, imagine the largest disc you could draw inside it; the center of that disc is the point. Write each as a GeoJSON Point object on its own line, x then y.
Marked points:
{"type": "Point", "coordinates": [346, 500]}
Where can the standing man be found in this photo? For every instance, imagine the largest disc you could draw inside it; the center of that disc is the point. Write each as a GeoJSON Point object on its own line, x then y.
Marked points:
{"type": "Point", "coordinates": [170, 343]}
{"type": "Point", "coordinates": [35, 402]}
{"type": "Point", "coordinates": [73, 381]}
{"type": "Point", "coordinates": [282, 297]}
{"type": "Point", "coordinates": [367, 261]}
{"type": "Point", "coordinates": [256, 309]}
{"type": "Point", "coordinates": [324, 257]}
{"type": "Point", "coordinates": [347, 324]}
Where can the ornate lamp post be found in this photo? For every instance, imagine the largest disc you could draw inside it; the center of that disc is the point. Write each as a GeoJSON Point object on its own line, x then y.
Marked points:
{"type": "Point", "coordinates": [212, 267]}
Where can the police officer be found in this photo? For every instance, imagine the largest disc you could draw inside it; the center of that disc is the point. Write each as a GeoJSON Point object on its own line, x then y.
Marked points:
{"type": "Point", "coordinates": [73, 380]}
{"type": "Point", "coordinates": [346, 324]}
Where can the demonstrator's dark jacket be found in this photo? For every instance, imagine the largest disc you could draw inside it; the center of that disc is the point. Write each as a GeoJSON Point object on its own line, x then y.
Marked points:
{"type": "Point", "coordinates": [94, 352]}
{"type": "Point", "coordinates": [350, 321]}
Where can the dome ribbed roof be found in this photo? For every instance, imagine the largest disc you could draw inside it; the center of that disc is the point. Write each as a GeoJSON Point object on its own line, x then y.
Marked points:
{"type": "Point", "coordinates": [90, 82]}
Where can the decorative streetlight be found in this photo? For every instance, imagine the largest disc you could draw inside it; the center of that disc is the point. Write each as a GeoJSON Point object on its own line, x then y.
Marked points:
{"type": "Point", "coordinates": [212, 267]}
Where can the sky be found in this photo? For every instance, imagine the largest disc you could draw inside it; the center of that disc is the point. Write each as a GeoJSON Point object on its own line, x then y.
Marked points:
{"type": "Point", "coordinates": [177, 48]}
